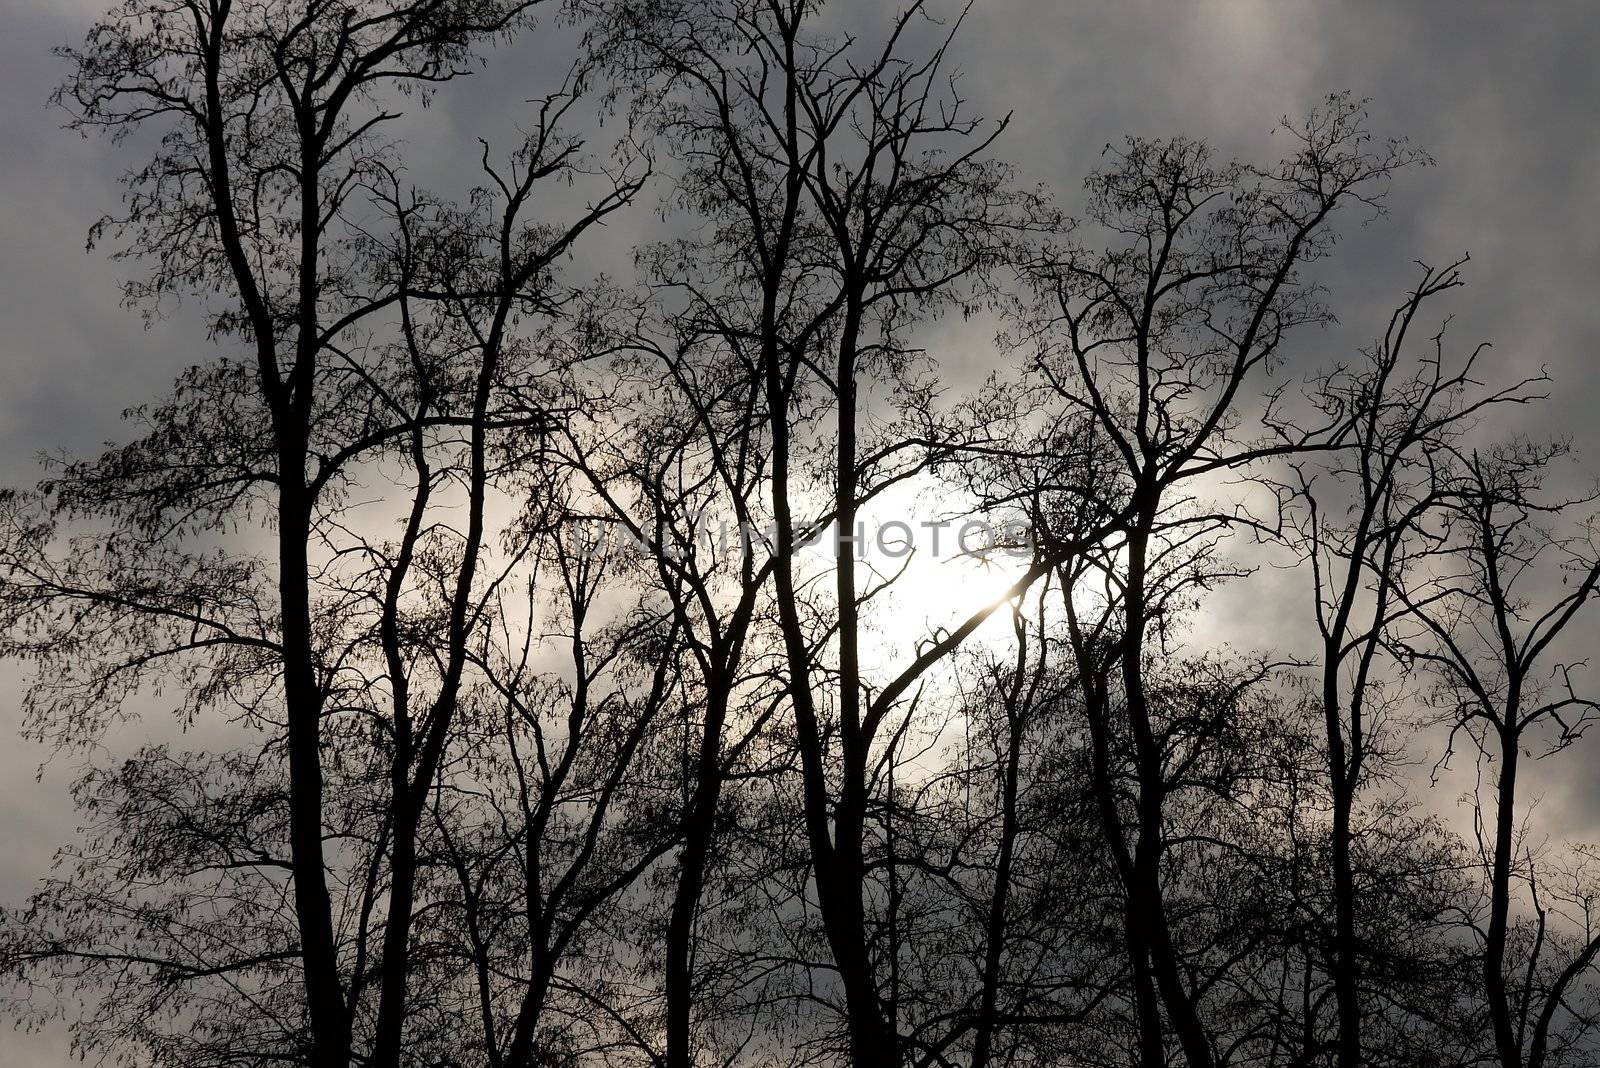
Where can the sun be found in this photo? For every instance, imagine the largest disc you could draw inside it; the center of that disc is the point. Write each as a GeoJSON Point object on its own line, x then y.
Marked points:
{"type": "Point", "coordinates": [927, 571]}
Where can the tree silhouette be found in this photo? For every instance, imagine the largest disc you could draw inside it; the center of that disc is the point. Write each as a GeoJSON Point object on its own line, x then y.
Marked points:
{"type": "Point", "coordinates": [550, 694]}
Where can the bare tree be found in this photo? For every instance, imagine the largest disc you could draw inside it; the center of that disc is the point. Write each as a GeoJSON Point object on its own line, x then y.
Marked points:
{"type": "Point", "coordinates": [849, 194]}
{"type": "Point", "coordinates": [548, 706]}
{"type": "Point", "coordinates": [1161, 342]}
{"type": "Point", "coordinates": [1360, 511]}
{"type": "Point", "coordinates": [1488, 629]}
{"type": "Point", "coordinates": [269, 172]}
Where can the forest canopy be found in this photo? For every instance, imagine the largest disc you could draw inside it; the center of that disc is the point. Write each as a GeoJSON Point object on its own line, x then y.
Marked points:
{"type": "Point", "coordinates": [809, 643]}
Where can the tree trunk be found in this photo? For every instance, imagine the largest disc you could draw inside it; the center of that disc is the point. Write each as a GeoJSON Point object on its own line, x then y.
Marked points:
{"type": "Point", "coordinates": [1144, 896]}
{"type": "Point", "coordinates": [1507, 1047]}
{"type": "Point", "coordinates": [330, 1021]}
{"type": "Point", "coordinates": [699, 826]}
{"type": "Point", "coordinates": [1345, 960]}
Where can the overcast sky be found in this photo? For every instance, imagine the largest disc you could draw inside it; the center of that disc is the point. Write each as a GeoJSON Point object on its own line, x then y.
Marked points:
{"type": "Point", "coordinates": [1505, 97]}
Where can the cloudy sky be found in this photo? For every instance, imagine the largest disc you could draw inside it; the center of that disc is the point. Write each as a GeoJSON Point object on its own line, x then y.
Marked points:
{"type": "Point", "coordinates": [1505, 97]}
